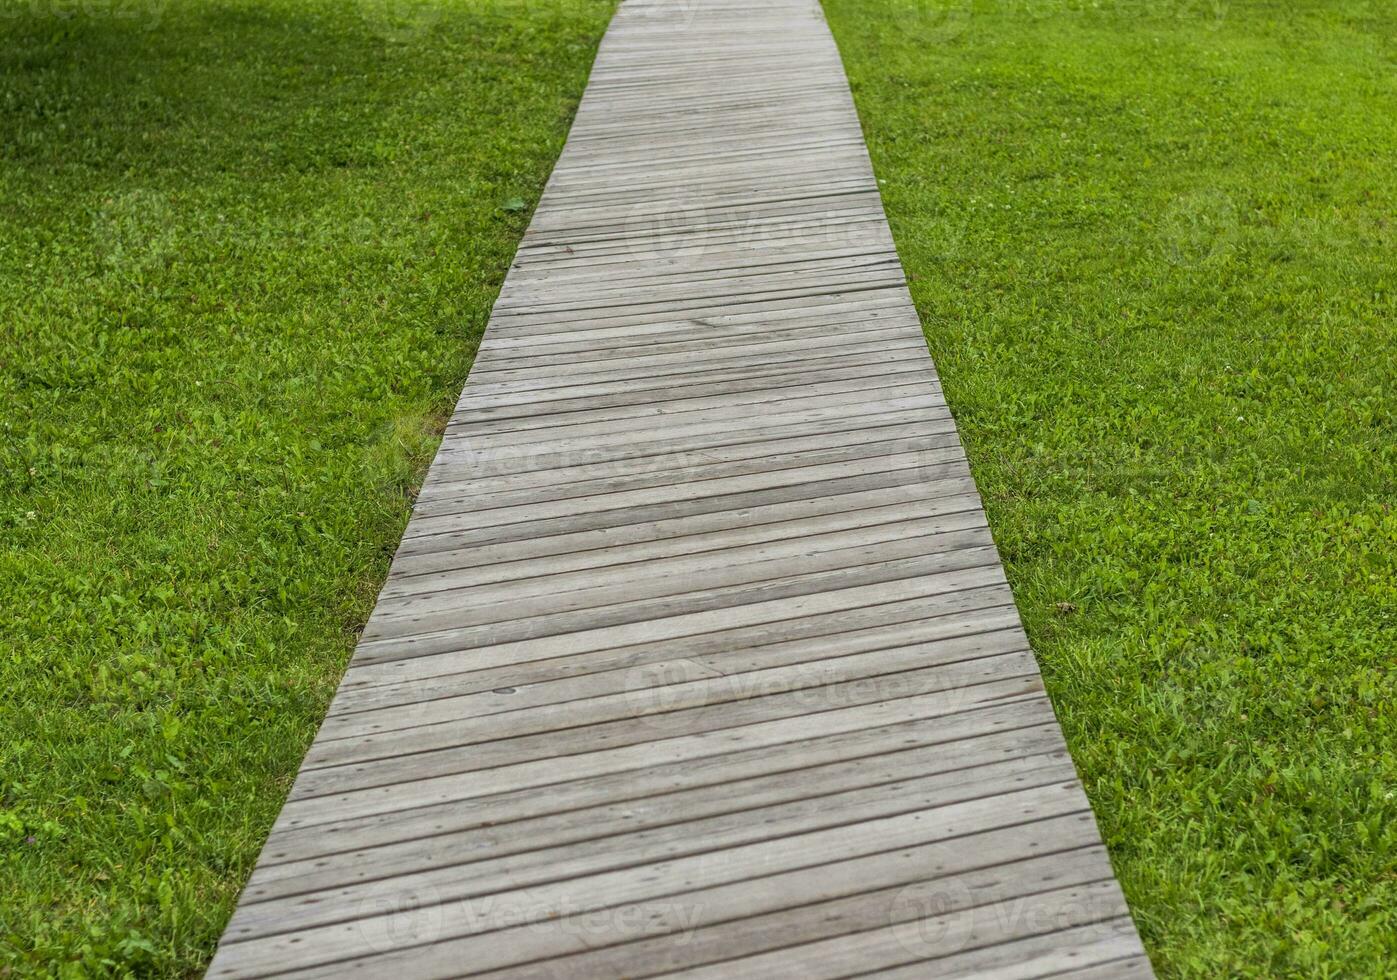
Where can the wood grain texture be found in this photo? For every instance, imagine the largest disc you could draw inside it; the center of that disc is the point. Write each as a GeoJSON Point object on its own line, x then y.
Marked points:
{"type": "Point", "coordinates": [697, 657]}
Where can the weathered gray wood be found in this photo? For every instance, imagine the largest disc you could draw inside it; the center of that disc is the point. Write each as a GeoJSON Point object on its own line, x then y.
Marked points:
{"type": "Point", "coordinates": [951, 559]}
{"type": "Point", "coordinates": [667, 466]}
{"type": "Point", "coordinates": [697, 657]}
{"type": "Point", "coordinates": [390, 661]}
{"type": "Point", "coordinates": [1025, 754]}
{"type": "Point", "coordinates": [367, 763]}
{"type": "Point", "coordinates": [666, 472]}
{"type": "Point", "coordinates": [665, 350]}
{"type": "Point", "coordinates": [454, 698]}
{"type": "Point", "coordinates": [709, 915]}
{"type": "Point", "coordinates": [530, 469]}
{"type": "Point", "coordinates": [551, 771]}
{"type": "Point", "coordinates": [670, 709]}
{"type": "Point", "coordinates": [712, 542]}
{"type": "Point", "coordinates": [1012, 938]}
{"type": "Point", "coordinates": [516, 526]}
{"type": "Point", "coordinates": [364, 934]}
{"type": "Point", "coordinates": [774, 750]}
{"type": "Point", "coordinates": [519, 414]}
{"type": "Point", "coordinates": [483, 874]}
{"type": "Point", "coordinates": [501, 402]}
{"type": "Point", "coordinates": [814, 636]}
{"type": "Point", "coordinates": [846, 909]}
{"type": "Point", "coordinates": [743, 565]}
{"type": "Point", "coordinates": [701, 532]}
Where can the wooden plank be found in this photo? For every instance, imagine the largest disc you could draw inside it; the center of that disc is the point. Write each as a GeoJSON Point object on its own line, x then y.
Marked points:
{"type": "Point", "coordinates": [697, 657]}
{"type": "Point", "coordinates": [551, 681]}
{"type": "Point", "coordinates": [716, 542]}
{"type": "Point", "coordinates": [804, 639]}
{"type": "Point", "coordinates": [637, 757]}
{"type": "Point", "coordinates": [984, 936]}
{"type": "Point", "coordinates": [706, 531]}
{"type": "Point", "coordinates": [735, 914]}
{"type": "Point", "coordinates": [951, 559]}
{"type": "Point", "coordinates": [654, 465]}
{"type": "Point", "coordinates": [767, 750]}
{"type": "Point", "coordinates": [478, 874]}
{"type": "Point", "coordinates": [1024, 754]}
{"type": "Point", "coordinates": [394, 660]}
{"type": "Point", "coordinates": [527, 412]}
{"type": "Point", "coordinates": [667, 710]}
{"type": "Point", "coordinates": [436, 751]}
{"type": "Point", "coordinates": [507, 400]}
{"type": "Point", "coordinates": [852, 912]}
{"type": "Point", "coordinates": [517, 525]}
{"type": "Point", "coordinates": [365, 933]}
{"type": "Point", "coordinates": [739, 564]}
{"type": "Point", "coordinates": [933, 444]}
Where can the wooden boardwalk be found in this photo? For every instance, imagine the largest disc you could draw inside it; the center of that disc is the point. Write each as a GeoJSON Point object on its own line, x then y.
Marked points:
{"type": "Point", "coordinates": [697, 656]}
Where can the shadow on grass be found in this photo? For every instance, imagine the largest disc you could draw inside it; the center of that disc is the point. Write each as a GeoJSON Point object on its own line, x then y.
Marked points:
{"type": "Point", "coordinates": [161, 91]}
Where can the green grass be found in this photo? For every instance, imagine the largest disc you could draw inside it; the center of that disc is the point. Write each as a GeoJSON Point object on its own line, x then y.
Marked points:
{"type": "Point", "coordinates": [247, 248]}
{"type": "Point", "coordinates": [1153, 248]}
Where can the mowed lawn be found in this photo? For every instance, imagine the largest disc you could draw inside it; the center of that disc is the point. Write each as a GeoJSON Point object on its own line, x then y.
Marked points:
{"type": "Point", "coordinates": [247, 248]}
{"type": "Point", "coordinates": [1153, 248]}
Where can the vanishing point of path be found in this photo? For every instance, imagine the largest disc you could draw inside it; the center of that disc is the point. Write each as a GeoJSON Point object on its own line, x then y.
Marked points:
{"type": "Point", "coordinates": [697, 656]}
